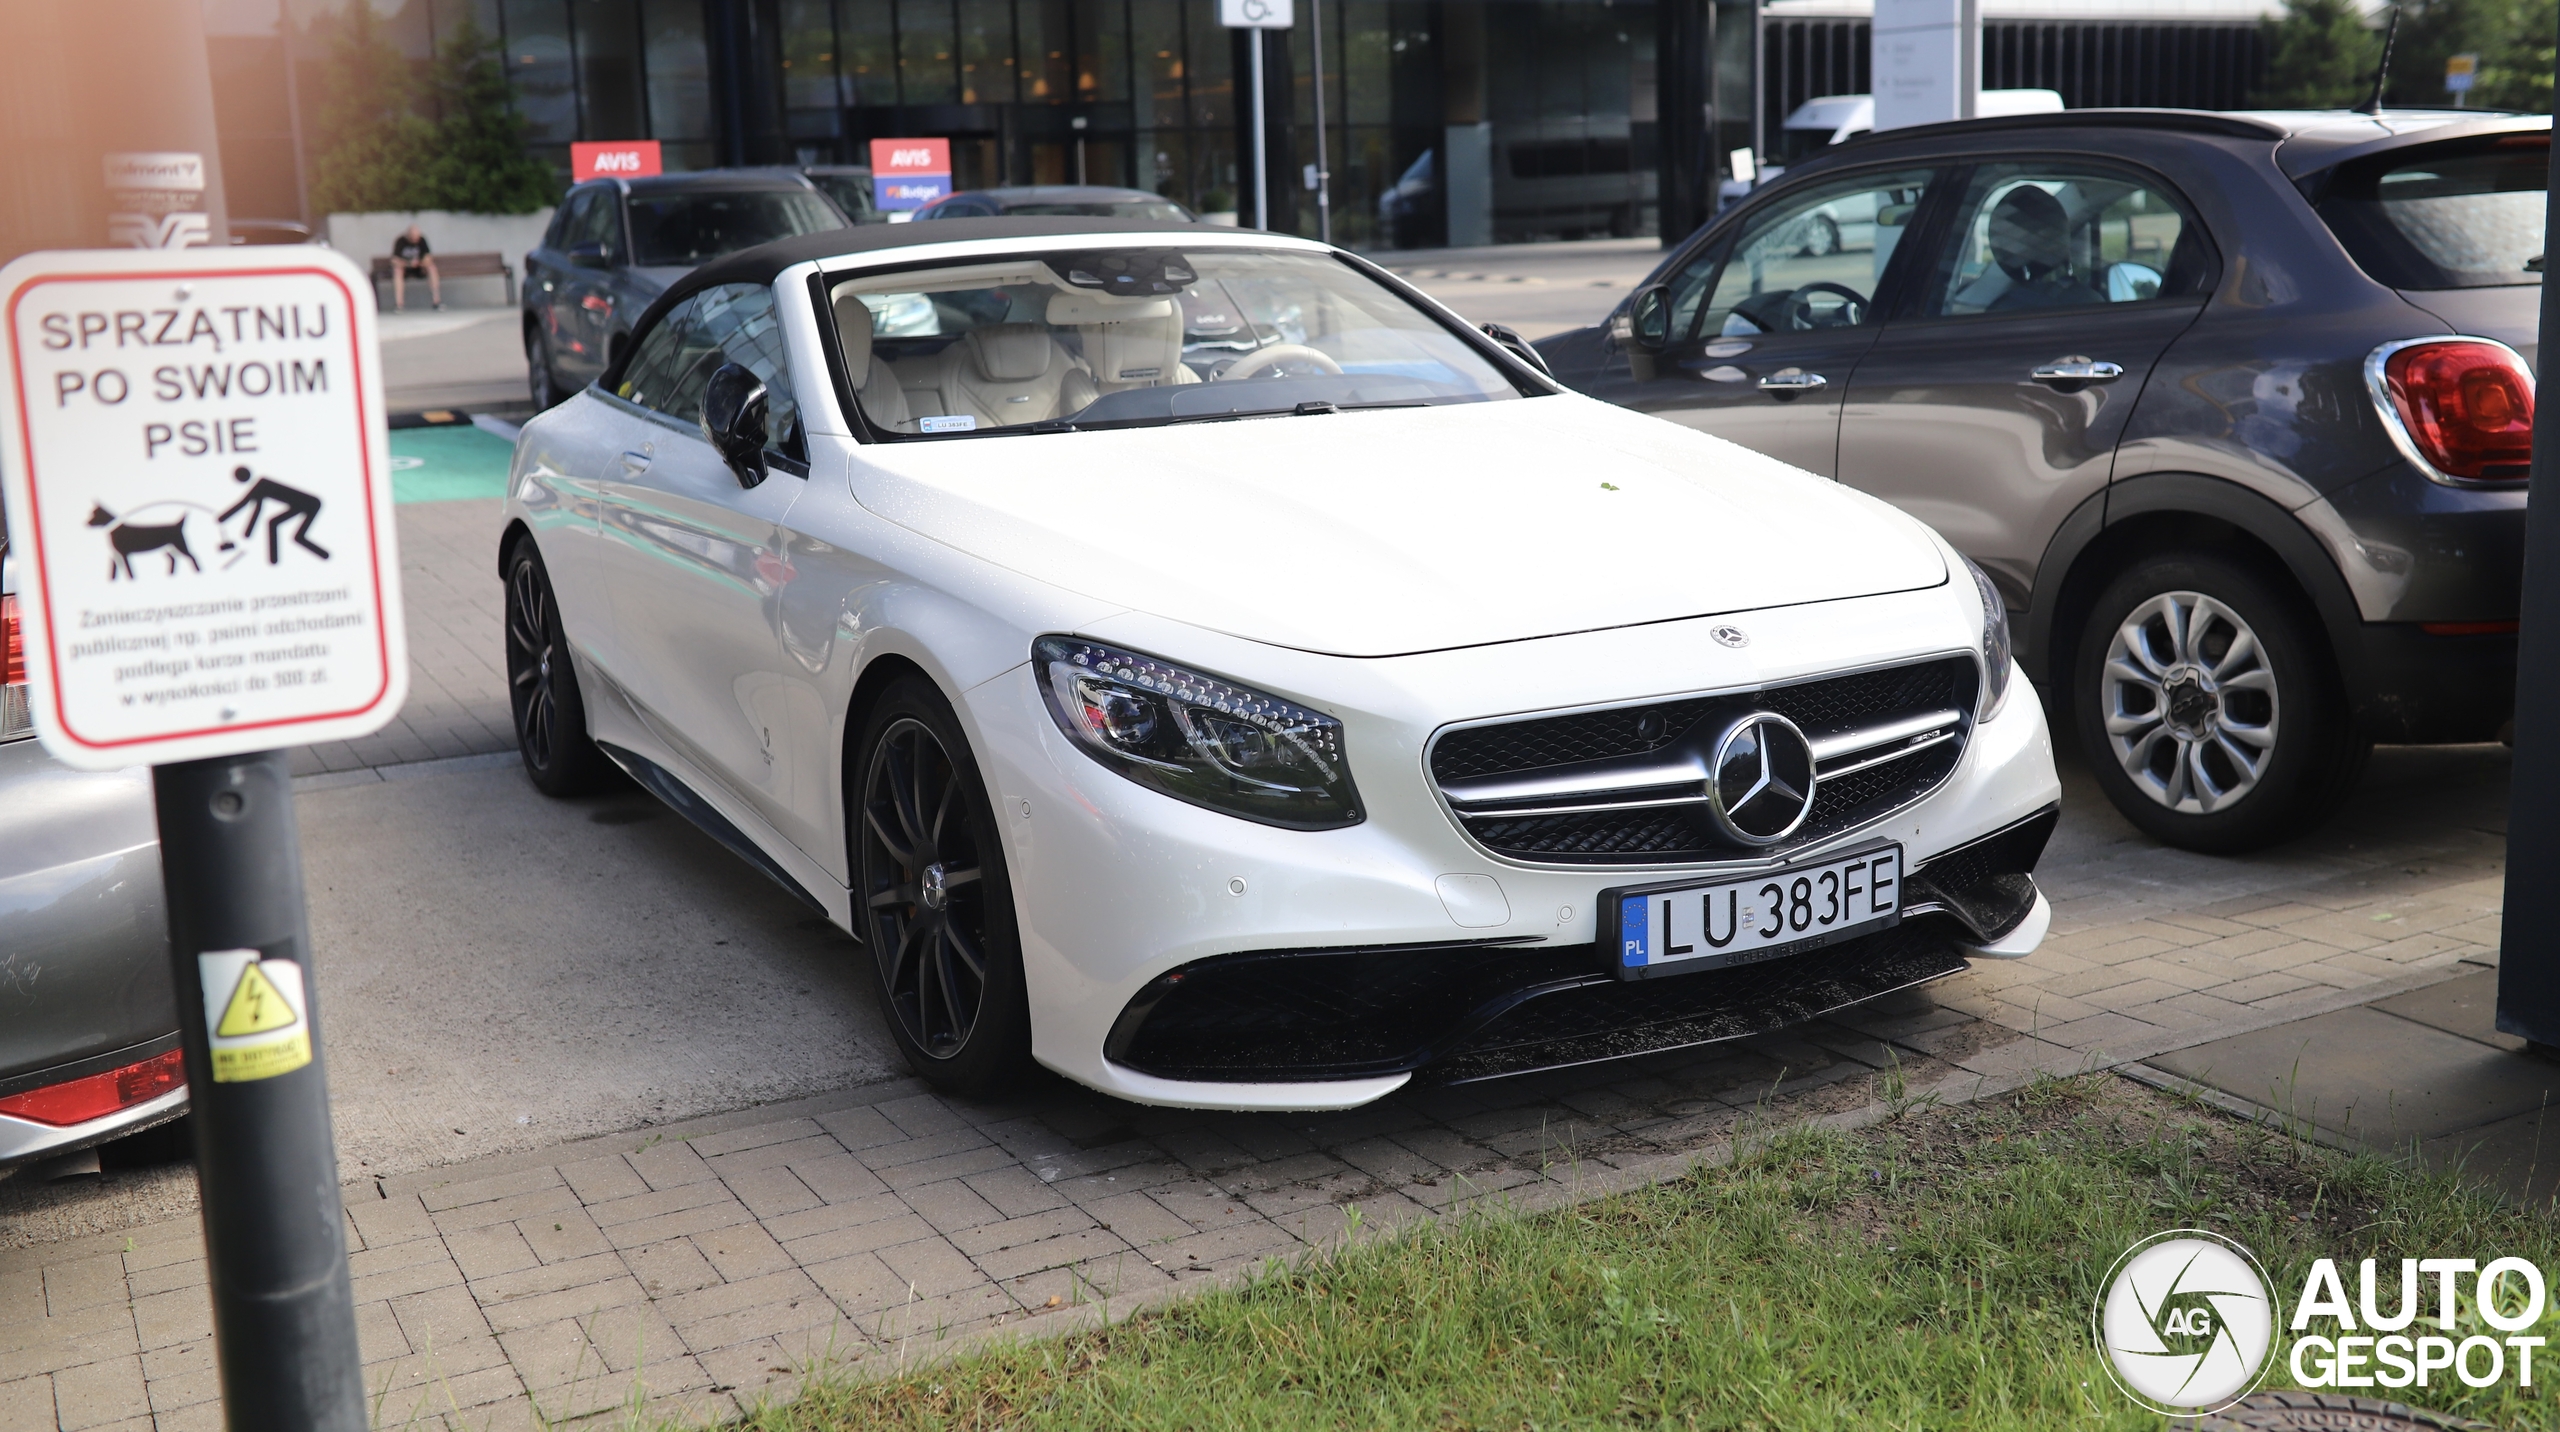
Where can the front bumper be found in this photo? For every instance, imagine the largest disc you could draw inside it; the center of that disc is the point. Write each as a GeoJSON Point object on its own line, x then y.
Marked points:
{"type": "Point", "coordinates": [1116, 886]}
{"type": "Point", "coordinates": [1460, 1011]}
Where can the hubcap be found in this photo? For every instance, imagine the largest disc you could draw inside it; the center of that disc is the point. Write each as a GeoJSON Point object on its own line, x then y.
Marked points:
{"type": "Point", "coordinates": [926, 919]}
{"type": "Point", "coordinates": [529, 689]}
{"type": "Point", "coordinates": [2189, 702]}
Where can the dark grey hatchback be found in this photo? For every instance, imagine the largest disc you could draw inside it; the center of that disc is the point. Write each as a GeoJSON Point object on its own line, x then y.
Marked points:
{"type": "Point", "coordinates": [615, 244]}
{"type": "Point", "coordinates": [2234, 408]}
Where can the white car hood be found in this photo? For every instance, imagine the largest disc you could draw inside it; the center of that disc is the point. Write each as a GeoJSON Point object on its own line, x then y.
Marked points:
{"type": "Point", "coordinates": [1395, 531]}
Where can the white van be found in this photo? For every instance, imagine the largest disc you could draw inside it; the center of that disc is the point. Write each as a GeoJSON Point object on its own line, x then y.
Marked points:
{"type": "Point", "coordinates": [1818, 124]}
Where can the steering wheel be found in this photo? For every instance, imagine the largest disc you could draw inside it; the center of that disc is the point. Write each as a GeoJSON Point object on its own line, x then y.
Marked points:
{"type": "Point", "coordinates": [1261, 358]}
{"type": "Point", "coordinates": [1799, 314]}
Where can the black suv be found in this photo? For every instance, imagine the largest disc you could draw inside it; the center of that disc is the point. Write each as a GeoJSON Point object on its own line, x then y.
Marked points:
{"type": "Point", "coordinates": [2234, 408]}
{"type": "Point", "coordinates": [615, 244]}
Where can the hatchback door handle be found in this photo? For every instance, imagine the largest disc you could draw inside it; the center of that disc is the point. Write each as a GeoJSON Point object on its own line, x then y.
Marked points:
{"type": "Point", "coordinates": [2077, 369]}
{"type": "Point", "coordinates": [1792, 383]}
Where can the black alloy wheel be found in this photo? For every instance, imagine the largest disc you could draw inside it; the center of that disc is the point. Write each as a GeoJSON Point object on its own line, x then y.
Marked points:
{"type": "Point", "coordinates": [936, 907]}
{"type": "Point", "coordinates": [542, 685]}
{"type": "Point", "coordinates": [2209, 706]}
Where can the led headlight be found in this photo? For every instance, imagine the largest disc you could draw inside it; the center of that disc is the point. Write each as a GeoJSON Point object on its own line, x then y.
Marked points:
{"type": "Point", "coordinates": [1197, 738]}
{"type": "Point", "coordinates": [1995, 643]}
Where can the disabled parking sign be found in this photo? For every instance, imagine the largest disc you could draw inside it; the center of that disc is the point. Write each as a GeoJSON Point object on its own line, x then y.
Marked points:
{"type": "Point", "coordinates": [197, 485]}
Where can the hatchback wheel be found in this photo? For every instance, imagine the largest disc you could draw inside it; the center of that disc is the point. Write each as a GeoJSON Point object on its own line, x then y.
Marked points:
{"type": "Point", "coordinates": [2208, 708]}
{"type": "Point", "coordinates": [537, 367]}
{"type": "Point", "coordinates": [542, 686]}
{"type": "Point", "coordinates": [937, 908]}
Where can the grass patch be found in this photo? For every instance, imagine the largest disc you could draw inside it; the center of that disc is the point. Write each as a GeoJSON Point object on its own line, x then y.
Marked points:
{"type": "Point", "coordinates": [1934, 1271]}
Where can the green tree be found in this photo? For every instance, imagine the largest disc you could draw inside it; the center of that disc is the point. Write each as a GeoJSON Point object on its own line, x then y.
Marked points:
{"type": "Point", "coordinates": [478, 162]}
{"type": "Point", "coordinates": [2320, 55]}
{"type": "Point", "coordinates": [375, 142]}
{"type": "Point", "coordinates": [2513, 39]}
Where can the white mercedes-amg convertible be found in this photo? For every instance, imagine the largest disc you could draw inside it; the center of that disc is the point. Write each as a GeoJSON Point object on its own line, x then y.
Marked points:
{"type": "Point", "coordinates": [1196, 661]}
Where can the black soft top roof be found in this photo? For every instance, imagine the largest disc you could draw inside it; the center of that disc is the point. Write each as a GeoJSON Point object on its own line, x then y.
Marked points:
{"type": "Point", "coordinates": [765, 262]}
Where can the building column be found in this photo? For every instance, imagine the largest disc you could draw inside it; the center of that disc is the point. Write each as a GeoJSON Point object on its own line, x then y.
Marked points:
{"type": "Point", "coordinates": [1684, 79]}
{"type": "Point", "coordinates": [82, 79]}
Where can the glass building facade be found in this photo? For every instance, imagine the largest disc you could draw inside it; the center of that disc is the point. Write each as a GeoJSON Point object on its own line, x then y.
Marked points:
{"type": "Point", "coordinates": [1445, 121]}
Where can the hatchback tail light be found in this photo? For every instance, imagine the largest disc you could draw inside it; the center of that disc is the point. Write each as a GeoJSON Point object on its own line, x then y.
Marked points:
{"type": "Point", "coordinates": [95, 1096]}
{"type": "Point", "coordinates": [2462, 408]}
{"type": "Point", "coordinates": [16, 720]}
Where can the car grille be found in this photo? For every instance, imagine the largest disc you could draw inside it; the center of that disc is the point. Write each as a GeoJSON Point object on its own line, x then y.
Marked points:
{"type": "Point", "coordinates": [1919, 715]}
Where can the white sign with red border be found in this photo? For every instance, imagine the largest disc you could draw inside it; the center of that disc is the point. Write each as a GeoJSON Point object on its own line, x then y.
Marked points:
{"type": "Point", "coordinates": [195, 471]}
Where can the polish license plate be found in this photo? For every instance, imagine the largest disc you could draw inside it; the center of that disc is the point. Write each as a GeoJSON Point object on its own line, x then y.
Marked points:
{"type": "Point", "coordinates": [1699, 925]}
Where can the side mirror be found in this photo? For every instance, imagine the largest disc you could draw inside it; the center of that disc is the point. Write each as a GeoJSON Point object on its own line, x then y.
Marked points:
{"type": "Point", "coordinates": [733, 416]}
{"type": "Point", "coordinates": [590, 255]}
{"type": "Point", "coordinates": [2132, 282]}
{"type": "Point", "coordinates": [1643, 328]}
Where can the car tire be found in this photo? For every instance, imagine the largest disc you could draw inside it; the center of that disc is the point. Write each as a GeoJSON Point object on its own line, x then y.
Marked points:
{"type": "Point", "coordinates": [542, 685]}
{"type": "Point", "coordinates": [932, 898]}
{"type": "Point", "coordinates": [537, 366]}
{"type": "Point", "coordinates": [2209, 706]}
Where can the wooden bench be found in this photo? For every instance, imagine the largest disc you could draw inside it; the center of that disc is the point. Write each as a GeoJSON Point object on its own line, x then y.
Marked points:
{"type": "Point", "coordinates": [448, 268]}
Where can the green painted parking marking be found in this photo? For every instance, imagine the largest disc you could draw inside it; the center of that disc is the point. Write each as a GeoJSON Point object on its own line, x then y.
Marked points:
{"type": "Point", "coordinates": [447, 463]}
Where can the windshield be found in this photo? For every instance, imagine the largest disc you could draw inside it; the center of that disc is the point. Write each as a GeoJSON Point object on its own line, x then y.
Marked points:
{"type": "Point", "coordinates": [1141, 337]}
{"type": "Point", "coordinates": [1795, 146]}
{"type": "Point", "coordinates": [2460, 215]}
{"type": "Point", "coordinates": [682, 230]}
{"type": "Point", "coordinates": [851, 191]}
{"type": "Point", "coordinates": [1164, 209]}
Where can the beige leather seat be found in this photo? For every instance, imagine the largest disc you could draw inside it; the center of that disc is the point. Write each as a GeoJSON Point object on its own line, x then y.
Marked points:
{"type": "Point", "coordinates": [1127, 343]}
{"type": "Point", "coordinates": [875, 384]}
{"type": "Point", "coordinates": [1006, 374]}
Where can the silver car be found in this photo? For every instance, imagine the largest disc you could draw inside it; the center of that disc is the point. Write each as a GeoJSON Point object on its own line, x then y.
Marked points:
{"type": "Point", "coordinates": [88, 1017]}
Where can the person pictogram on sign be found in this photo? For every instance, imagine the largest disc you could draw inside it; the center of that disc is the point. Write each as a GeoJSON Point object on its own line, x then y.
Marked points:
{"type": "Point", "coordinates": [292, 505]}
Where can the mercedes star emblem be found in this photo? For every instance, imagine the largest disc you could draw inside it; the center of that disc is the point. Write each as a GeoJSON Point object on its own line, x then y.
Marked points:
{"type": "Point", "coordinates": [1730, 636]}
{"type": "Point", "coordinates": [1760, 784]}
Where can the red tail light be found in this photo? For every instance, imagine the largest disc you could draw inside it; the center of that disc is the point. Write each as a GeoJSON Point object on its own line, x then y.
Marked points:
{"type": "Point", "coordinates": [15, 719]}
{"type": "Point", "coordinates": [2465, 407]}
{"type": "Point", "coordinates": [13, 647]}
{"type": "Point", "coordinates": [98, 1095]}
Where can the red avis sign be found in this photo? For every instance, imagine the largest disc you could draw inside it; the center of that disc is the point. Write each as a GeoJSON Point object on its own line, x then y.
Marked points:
{"type": "Point", "coordinates": [613, 159]}
{"type": "Point", "coordinates": [891, 158]}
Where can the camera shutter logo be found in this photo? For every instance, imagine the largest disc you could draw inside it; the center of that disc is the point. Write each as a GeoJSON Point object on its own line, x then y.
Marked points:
{"type": "Point", "coordinates": [2185, 1322]}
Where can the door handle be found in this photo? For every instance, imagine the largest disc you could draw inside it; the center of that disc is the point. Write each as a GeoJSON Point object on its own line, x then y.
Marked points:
{"type": "Point", "coordinates": [635, 462]}
{"type": "Point", "coordinates": [1792, 383]}
{"type": "Point", "coordinates": [2077, 369]}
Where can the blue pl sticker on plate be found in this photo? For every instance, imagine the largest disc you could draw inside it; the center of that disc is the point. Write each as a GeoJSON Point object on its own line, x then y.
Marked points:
{"type": "Point", "coordinates": [1631, 929]}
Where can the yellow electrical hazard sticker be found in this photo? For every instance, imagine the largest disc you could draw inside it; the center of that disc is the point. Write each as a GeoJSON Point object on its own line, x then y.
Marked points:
{"type": "Point", "coordinates": [256, 1013]}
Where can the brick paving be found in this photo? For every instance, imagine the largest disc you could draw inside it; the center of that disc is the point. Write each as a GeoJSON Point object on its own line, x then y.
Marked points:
{"type": "Point", "coordinates": [699, 1267]}
{"type": "Point", "coordinates": [455, 607]}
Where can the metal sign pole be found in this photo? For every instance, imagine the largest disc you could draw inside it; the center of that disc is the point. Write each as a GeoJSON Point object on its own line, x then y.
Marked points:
{"type": "Point", "coordinates": [2529, 953]}
{"type": "Point", "coordinates": [284, 1313]}
{"type": "Point", "coordinates": [1261, 143]}
{"type": "Point", "coordinates": [1324, 169]}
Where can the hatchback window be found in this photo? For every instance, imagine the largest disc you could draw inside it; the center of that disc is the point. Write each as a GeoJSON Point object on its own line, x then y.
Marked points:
{"type": "Point", "coordinates": [2040, 236]}
{"type": "Point", "coordinates": [1143, 336]}
{"type": "Point", "coordinates": [682, 230]}
{"type": "Point", "coordinates": [2462, 215]}
{"type": "Point", "coordinates": [1812, 260]}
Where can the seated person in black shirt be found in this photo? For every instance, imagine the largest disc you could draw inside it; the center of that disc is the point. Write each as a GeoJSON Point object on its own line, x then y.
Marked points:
{"type": "Point", "coordinates": [410, 258]}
